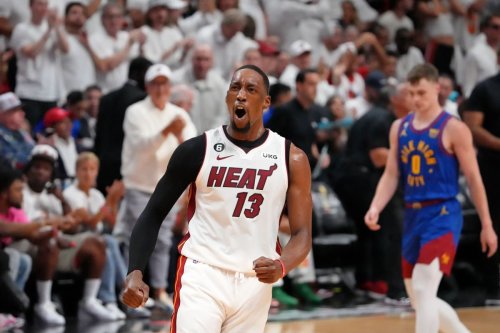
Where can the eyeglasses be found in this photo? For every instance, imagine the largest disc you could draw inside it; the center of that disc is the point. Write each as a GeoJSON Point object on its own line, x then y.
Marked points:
{"type": "Point", "coordinates": [495, 26]}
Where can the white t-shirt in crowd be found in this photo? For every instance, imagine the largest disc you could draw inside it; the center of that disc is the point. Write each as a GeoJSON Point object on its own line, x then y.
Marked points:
{"type": "Point", "coordinates": [481, 62]}
{"type": "Point", "coordinates": [407, 61]}
{"type": "Point", "coordinates": [40, 205]}
{"type": "Point", "coordinates": [392, 23]}
{"type": "Point", "coordinates": [191, 24]}
{"type": "Point", "coordinates": [76, 198]}
{"type": "Point", "coordinates": [106, 46]}
{"type": "Point", "coordinates": [37, 78]}
{"type": "Point", "coordinates": [158, 42]}
{"type": "Point", "coordinates": [78, 69]}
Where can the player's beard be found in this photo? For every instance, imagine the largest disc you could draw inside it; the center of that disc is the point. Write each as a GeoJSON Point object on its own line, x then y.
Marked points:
{"type": "Point", "coordinates": [244, 129]}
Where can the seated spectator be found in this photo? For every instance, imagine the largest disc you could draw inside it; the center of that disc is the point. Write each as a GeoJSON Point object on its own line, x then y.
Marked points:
{"type": "Point", "coordinates": [76, 105]}
{"type": "Point", "coordinates": [15, 143]}
{"type": "Point", "coordinates": [280, 94]}
{"type": "Point", "coordinates": [82, 195]}
{"type": "Point", "coordinates": [446, 92]}
{"type": "Point", "coordinates": [93, 96]}
{"type": "Point", "coordinates": [87, 254]}
{"type": "Point", "coordinates": [58, 121]}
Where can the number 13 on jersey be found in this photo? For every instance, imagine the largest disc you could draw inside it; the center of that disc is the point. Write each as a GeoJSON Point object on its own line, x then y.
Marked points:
{"type": "Point", "coordinates": [255, 201]}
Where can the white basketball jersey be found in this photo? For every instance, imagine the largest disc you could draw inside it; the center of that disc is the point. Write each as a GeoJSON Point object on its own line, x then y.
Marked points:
{"type": "Point", "coordinates": [236, 203]}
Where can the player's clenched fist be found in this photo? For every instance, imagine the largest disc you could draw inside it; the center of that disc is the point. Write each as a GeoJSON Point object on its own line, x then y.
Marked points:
{"type": "Point", "coordinates": [267, 270]}
{"type": "Point", "coordinates": [135, 292]}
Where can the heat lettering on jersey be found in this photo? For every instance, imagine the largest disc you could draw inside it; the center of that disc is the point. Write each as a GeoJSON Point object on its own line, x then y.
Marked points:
{"type": "Point", "coordinates": [239, 177]}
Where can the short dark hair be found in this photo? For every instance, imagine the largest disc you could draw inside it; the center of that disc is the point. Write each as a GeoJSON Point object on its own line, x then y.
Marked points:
{"type": "Point", "coordinates": [137, 69]}
{"type": "Point", "coordinates": [92, 87]}
{"type": "Point", "coordinates": [259, 71]}
{"type": "Point", "coordinates": [73, 4]}
{"type": "Point", "coordinates": [7, 177]}
{"type": "Point", "coordinates": [74, 97]}
{"type": "Point", "coordinates": [423, 71]}
{"type": "Point", "coordinates": [277, 89]}
{"type": "Point", "coordinates": [301, 77]}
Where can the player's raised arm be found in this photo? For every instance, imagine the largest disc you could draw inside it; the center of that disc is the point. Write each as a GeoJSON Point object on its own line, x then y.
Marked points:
{"type": "Point", "coordinates": [461, 142]}
{"type": "Point", "coordinates": [388, 183]}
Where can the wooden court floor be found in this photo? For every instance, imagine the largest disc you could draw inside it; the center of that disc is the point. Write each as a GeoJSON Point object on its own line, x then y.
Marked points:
{"type": "Point", "coordinates": [477, 320]}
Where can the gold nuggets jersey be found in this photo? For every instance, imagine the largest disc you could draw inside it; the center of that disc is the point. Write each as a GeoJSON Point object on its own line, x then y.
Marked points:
{"type": "Point", "coordinates": [236, 203]}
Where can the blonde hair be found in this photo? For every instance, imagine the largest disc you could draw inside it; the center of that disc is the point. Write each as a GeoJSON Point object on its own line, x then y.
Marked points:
{"type": "Point", "coordinates": [86, 156]}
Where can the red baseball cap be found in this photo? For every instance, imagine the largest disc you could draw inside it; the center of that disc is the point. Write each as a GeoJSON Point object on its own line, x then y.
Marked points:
{"type": "Point", "coordinates": [266, 48]}
{"type": "Point", "coordinates": [54, 115]}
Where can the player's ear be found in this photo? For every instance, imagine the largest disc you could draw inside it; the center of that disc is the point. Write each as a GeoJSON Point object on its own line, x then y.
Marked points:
{"type": "Point", "coordinates": [267, 103]}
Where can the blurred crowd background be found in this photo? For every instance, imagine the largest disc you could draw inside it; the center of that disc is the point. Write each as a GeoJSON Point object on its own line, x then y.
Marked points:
{"type": "Point", "coordinates": [83, 141]}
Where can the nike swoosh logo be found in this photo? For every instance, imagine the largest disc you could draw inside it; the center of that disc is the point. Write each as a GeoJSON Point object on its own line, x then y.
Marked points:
{"type": "Point", "coordinates": [219, 158]}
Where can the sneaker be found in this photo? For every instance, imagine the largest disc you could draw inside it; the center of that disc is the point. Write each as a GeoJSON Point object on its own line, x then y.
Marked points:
{"type": "Point", "coordinates": [113, 308]}
{"type": "Point", "coordinates": [137, 313]}
{"type": "Point", "coordinates": [47, 313]}
{"type": "Point", "coordinates": [150, 303]}
{"type": "Point", "coordinates": [283, 298]}
{"type": "Point", "coordinates": [164, 303]}
{"type": "Point", "coordinates": [93, 309]}
{"type": "Point", "coordinates": [397, 301]}
{"type": "Point", "coordinates": [305, 292]}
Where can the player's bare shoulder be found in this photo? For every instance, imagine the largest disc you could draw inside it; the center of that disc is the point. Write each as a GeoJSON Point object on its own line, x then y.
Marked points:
{"type": "Point", "coordinates": [456, 131]}
{"type": "Point", "coordinates": [299, 163]}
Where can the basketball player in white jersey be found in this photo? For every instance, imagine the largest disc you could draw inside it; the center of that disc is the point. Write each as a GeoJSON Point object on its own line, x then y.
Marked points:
{"type": "Point", "coordinates": [239, 178]}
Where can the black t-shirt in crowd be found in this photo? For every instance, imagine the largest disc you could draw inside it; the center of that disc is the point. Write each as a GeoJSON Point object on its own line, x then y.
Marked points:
{"type": "Point", "coordinates": [485, 98]}
{"type": "Point", "coordinates": [295, 123]}
{"type": "Point", "coordinates": [369, 132]}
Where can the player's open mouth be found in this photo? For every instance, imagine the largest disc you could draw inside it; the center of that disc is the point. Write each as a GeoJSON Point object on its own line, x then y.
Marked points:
{"type": "Point", "coordinates": [240, 111]}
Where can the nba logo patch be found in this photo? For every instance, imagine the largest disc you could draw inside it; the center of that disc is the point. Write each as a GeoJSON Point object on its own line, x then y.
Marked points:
{"type": "Point", "coordinates": [218, 147]}
{"type": "Point", "coordinates": [433, 133]}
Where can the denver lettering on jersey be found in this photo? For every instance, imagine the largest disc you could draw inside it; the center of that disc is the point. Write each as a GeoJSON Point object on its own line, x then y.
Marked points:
{"type": "Point", "coordinates": [415, 155]}
{"type": "Point", "coordinates": [239, 177]}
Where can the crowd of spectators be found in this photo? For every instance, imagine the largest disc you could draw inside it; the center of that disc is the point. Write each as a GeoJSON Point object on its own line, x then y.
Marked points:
{"type": "Point", "coordinates": [95, 95]}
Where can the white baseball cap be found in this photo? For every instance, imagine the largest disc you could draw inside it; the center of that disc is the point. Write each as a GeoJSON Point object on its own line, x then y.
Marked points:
{"type": "Point", "coordinates": [299, 47]}
{"type": "Point", "coordinates": [176, 4]}
{"type": "Point", "coordinates": [44, 151]}
{"type": "Point", "coordinates": [9, 101]}
{"type": "Point", "coordinates": [157, 70]}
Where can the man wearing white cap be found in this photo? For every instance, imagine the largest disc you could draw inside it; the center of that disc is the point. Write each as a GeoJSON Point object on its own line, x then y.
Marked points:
{"type": "Point", "coordinates": [15, 143]}
{"type": "Point", "coordinates": [153, 129]}
{"type": "Point", "coordinates": [300, 59]}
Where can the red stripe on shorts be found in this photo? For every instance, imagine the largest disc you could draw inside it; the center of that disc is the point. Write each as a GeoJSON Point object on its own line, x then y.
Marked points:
{"type": "Point", "coordinates": [442, 248]}
{"type": "Point", "coordinates": [177, 292]}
